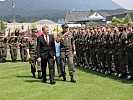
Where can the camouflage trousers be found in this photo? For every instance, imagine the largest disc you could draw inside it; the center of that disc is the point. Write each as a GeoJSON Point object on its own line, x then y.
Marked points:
{"type": "Point", "coordinates": [67, 56]}
{"type": "Point", "coordinates": [3, 54]}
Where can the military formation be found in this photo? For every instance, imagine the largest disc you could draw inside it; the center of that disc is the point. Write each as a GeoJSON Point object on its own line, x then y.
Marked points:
{"type": "Point", "coordinates": [26, 46]}
{"type": "Point", "coordinates": [12, 43]}
{"type": "Point", "coordinates": [105, 49]}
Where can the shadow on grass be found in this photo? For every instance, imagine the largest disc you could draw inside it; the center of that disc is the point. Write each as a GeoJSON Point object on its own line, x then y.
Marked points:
{"type": "Point", "coordinates": [33, 81]}
{"type": "Point", "coordinates": [57, 79]}
{"type": "Point", "coordinates": [11, 61]}
{"type": "Point", "coordinates": [106, 76]}
{"type": "Point", "coordinates": [24, 76]}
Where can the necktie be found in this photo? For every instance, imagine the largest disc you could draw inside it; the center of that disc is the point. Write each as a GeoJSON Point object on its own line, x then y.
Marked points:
{"type": "Point", "coordinates": [47, 40]}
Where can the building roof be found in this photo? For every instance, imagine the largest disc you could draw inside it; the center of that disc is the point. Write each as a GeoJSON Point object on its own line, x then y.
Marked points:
{"type": "Point", "coordinates": [76, 16]}
{"type": "Point", "coordinates": [80, 15]}
{"type": "Point", "coordinates": [45, 21]}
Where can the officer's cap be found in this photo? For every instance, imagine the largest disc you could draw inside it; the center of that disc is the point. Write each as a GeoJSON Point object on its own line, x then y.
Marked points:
{"type": "Point", "coordinates": [64, 25]}
{"type": "Point", "coordinates": [34, 30]}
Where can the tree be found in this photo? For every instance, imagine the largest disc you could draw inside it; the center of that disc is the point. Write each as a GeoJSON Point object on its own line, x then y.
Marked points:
{"type": "Point", "coordinates": [33, 26]}
{"type": "Point", "coordinates": [3, 26]}
{"type": "Point", "coordinates": [127, 19]}
{"type": "Point", "coordinates": [24, 21]}
{"type": "Point", "coordinates": [92, 11]}
{"type": "Point", "coordinates": [91, 23]}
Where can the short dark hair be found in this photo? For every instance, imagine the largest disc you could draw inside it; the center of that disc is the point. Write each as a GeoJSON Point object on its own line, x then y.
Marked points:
{"type": "Point", "coordinates": [45, 26]}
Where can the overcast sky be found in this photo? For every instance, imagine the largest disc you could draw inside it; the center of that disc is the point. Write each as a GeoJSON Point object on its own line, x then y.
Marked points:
{"type": "Point", "coordinates": [125, 3]}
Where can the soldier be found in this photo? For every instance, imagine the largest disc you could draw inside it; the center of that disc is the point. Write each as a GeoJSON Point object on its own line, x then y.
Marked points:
{"type": "Point", "coordinates": [67, 47]}
{"type": "Point", "coordinates": [22, 44]}
{"type": "Point", "coordinates": [77, 44]}
{"type": "Point", "coordinates": [87, 46]}
{"type": "Point", "coordinates": [13, 43]}
{"type": "Point", "coordinates": [109, 50]}
{"type": "Point", "coordinates": [101, 46]}
{"type": "Point", "coordinates": [75, 34]}
{"type": "Point", "coordinates": [83, 48]}
{"type": "Point", "coordinates": [130, 52]}
{"type": "Point", "coordinates": [115, 46]}
{"type": "Point", "coordinates": [3, 51]}
{"type": "Point", "coordinates": [32, 54]}
{"type": "Point", "coordinates": [122, 56]}
{"type": "Point", "coordinates": [93, 48]}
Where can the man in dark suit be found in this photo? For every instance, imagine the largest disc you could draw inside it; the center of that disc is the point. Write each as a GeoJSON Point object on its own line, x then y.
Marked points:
{"type": "Point", "coordinates": [46, 53]}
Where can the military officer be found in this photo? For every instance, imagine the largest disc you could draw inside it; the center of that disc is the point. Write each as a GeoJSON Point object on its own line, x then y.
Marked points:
{"type": "Point", "coordinates": [22, 44]}
{"type": "Point", "coordinates": [32, 54]}
{"type": "Point", "coordinates": [3, 51]}
{"type": "Point", "coordinates": [67, 49]}
{"type": "Point", "coordinates": [13, 44]}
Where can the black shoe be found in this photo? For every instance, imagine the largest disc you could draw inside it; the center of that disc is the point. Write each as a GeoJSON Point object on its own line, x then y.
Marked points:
{"type": "Point", "coordinates": [44, 81]}
{"type": "Point", "coordinates": [59, 76]}
{"type": "Point", "coordinates": [34, 76]}
{"type": "Point", "coordinates": [52, 82]}
{"type": "Point", "coordinates": [64, 78]}
{"type": "Point", "coordinates": [39, 77]}
{"type": "Point", "coordinates": [3, 60]}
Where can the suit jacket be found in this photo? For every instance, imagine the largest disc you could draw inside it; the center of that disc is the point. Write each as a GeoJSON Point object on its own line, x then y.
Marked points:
{"type": "Point", "coordinates": [43, 50]}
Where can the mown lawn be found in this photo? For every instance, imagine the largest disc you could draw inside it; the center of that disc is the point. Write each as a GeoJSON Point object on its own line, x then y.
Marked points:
{"type": "Point", "coordinates": [16, 83]}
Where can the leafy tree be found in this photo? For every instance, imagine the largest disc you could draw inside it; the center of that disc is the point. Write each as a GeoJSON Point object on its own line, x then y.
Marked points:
{"type": "Point", "coordinates": [92, 11]}
{"type": "Point", "coordinates": [91, 23]}
{"type": "Point", "coordinates": [127, 19]}
{"type": "Point", "coordinates": [3, 25]}
{"type": "Point", "coordinates": [33, 20]}
{"type": "Point", "coordinates": [24, 21]}
{"type": "Point", "coordinates": [33, 26]}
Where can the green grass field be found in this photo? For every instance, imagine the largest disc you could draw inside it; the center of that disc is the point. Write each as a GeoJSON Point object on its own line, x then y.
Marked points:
{"type": "Point", "coordinates": [16, 83]}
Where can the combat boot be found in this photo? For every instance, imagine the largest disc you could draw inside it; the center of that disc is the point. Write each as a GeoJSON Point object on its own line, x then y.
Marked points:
{"type": "Point", "coordinates": [64, 78]}
{"type": "Point", "coordinates": [39, 75]}
{"type": "Point", "coordinates": [72, 79]}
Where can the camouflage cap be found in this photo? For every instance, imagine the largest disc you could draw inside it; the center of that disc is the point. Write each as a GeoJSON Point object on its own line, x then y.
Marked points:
{"type": "Point", "coordinates": [64, 25]}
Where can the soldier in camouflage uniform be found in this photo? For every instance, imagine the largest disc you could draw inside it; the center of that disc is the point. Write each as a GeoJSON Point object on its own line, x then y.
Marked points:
{"type": "Point", "coordinates": [22, 44]}
{"type": "Point", "coordinates": [122, 56]}
{"type": "Point", "coordinates": [115, 46]}
{"type": "Point", "coordinates": [32, 54]}
{"type": "Point", "coordinates": [109, 52]}
{"type": "Point", "coordinates": [83, 47]}
{"type": "Point", "coordinates": [3, 51]}
{"type": "Point", "coordinates": [13, 44]}
{"type": "Point", "coordinates": [77, 44]}
{"type": "Point", "coordinates": [130, 52]}
{"type": "Point", "coordinates": [68, 50]}
{"type": "Point", "coordinates": [93, 48]}
{"type": "Point", "coordinates": [87, 46]}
